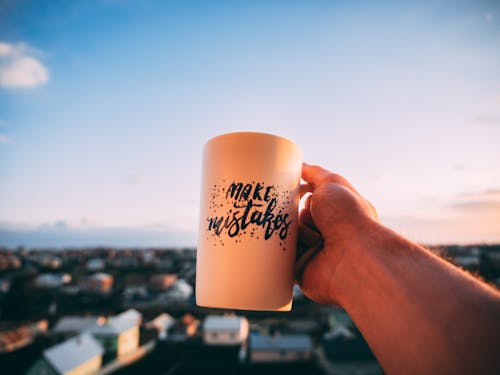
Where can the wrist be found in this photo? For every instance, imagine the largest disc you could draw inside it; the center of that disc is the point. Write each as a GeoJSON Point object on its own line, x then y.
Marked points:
{"type": "Point", "coordinates": [355, 271]}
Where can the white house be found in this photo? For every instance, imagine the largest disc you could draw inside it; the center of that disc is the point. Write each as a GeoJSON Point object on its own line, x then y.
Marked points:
{"type": "Point", "coordinates": [280, 348]}
{"type": "Point", "coordinates": [98, 283]}
{"type": "Point", "coordinates": [180, 290]}
{"type": "Point", "coordinates": [225, 330]}
{"type": "Point", "coordinates": [339, 331]}
{"type": "Point", "coordinates": [95, 264]}
{"type": "Point", "coordinates": [162, 323]}
{"type": "Point", "coordinates": [52, 280]}
{"type": "Point", "coordinates": [77, 356]}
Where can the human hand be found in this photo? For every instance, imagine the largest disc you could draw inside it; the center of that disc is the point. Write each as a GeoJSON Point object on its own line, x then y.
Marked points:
{"type": "Point", "coordinates": [335, 219]}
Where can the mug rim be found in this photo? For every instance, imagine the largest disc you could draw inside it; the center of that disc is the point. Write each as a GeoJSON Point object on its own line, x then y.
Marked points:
{"type": "Point", "coordinates": [224, 135]}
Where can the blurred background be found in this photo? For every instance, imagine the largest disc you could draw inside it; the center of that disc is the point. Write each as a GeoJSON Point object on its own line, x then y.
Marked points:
{"type": "Point", "coordinates": [104, 109]}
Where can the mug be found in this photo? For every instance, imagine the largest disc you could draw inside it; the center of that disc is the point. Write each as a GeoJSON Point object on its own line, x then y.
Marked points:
{"type": "Point", "coordinates": [248, 222]}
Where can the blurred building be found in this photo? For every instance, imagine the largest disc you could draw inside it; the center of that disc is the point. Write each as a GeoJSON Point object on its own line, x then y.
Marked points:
{"type": "Point", "coordinates": [118, 335]}
{"type": "Point", "coordinates": [148, 257]}
{"type": "Point", "coordinates": [467, 261]}
{"type": "Point", "coordinates": [9, 262]}
{"type": "Point", "coordinates": [50, 261]}
{"type": "Point", "coordinates": [280, 348]}
{"type": "Point", "coordinates": [161, 282]}
{"type": "Point", "coordinates": [4, 285]}
{"type": "Point", "coordinates": [225, 330]}
{"type": "Point", "coordinates": [124, 261]}
{"type": "Point", "coordinates": [98, 283]}
{"type": "Point", "coordinates": [135, 292]}
{"type": "Point", "coordinates": [21, 336]}
{"type": "Point", "coordinates": [52, 280]}
{"type": "Point", "coordinates": [95, 264]}
{"type": "Point", "coordinates": [79, 355]}
{"type": "Point", "coordinates": [184, 328]}
{"type": "Point", "coordinates": [180, 290]}
{"type": "Point", "coordinates": [69, 326]}
{"type": "Point", "coordinates": [162, 323]}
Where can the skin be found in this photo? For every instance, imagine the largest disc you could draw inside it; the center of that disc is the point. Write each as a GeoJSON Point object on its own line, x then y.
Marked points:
{"type": "Point", "coordinates": [419, 313]}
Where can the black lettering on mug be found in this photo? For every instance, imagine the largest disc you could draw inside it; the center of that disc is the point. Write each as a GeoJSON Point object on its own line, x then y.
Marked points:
{"type": "Point", "coordinates": [255, 208]}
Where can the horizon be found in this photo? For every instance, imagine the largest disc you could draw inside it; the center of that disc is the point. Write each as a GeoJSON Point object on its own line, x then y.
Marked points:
{"type": "Point", "coordinates": [105, 247]}
{"type": "Point", "coordinates": [105, 106]}
{"type": "Point", "coordinates": [125, 242]}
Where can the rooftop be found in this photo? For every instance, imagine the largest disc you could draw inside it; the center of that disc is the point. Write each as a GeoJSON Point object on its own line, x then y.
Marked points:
{"type": "Point", "coordinates": [223, 323]}
{"type": "Point", "coordinates": [280, 342]}
{"type": "Point", "coordinates": [75, 323]}
{"type": "Point", "coordinates": [72, 353]}
{"type": "Point", "coordinates": [118, 324]}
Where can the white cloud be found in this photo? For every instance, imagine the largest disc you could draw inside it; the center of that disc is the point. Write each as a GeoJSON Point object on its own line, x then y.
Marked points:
{"type": "Point", "coordinates": [5, 139]}
{"type": "Point", "coordinates": [19, 68]}
{"type": "Point", "coordinates": [6, 49]}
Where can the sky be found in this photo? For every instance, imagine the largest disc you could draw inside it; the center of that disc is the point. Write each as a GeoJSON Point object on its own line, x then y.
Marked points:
{"type": "Point", "coordinates": [105, 106]}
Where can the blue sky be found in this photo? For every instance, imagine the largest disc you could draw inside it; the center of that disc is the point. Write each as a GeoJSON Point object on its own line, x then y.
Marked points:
{"type": "Point", "coordinates": [105, 107]}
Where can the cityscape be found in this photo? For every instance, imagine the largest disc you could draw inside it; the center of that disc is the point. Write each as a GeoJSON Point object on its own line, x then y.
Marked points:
{"type": "Point", "coordinates": [133, 311]}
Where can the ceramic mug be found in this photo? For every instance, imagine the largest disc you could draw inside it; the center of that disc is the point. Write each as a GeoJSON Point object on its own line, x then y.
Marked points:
{"type": "Point", "coordinates": [248, 222]}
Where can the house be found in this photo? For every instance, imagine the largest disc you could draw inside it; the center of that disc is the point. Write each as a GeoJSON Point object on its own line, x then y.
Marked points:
{"type": "Point", "coordinates": [125, 261]}
{"type": "Point", "coordinates": [183, 329]}
{"type": "Point", "coordinates": [79, 355]}
{"type": "Point", "coordinates": [309, 326]}
{"type": "Point", "coordinates": [162, 281]}
{"type": "Point", "coordinates": [180, 290]}
{"type": "Point", "coordinates": [469, 262]}
{"type": "Point", "coordinates": [162, 323]}
{"type": "Point", "coordinates": [52, 280]}
{"type": "Point", "coordinates": [119, 335]}
{"type": "Point", "coordinates": [72, 325]}
{"type": "Point", "coordinates": [280, 348]}
{"type": "Point", "coordinates": [339, 331]}
{"type": "Point", "coordinates": [148, 257]}
{"type": "Point", "coordinates": [4, 285]}
{"type": "Point", "coordinates": [135, 293]}
{"type": "Point", "coordinates": [50, 261]}
{"type": "Point", "coordinates": [166, 264]}
{"type": "Point", "coordinates": [98, 283]}
{"type": "Point", "coordinates": [9, 262]}
{"type": "Point", "coordinates": [95, 264]}
{"type": "Point", "coordinates": [21, 336]}
{"type": "Point", "coordinates": [225, 330]}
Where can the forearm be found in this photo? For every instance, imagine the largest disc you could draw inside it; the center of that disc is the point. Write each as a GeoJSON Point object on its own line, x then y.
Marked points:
{"type": "Point", "coordinates": [418, 313]}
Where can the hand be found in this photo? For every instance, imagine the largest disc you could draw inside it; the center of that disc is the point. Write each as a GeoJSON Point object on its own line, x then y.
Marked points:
{"type": "Point", "coordinates": [419, 313]}
{"type": "Point", "coordinates": [334, 219]}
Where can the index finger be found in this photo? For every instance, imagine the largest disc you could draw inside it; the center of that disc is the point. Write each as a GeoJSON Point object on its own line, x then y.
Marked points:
{"type": "Point", "coordinates": [314, 175]}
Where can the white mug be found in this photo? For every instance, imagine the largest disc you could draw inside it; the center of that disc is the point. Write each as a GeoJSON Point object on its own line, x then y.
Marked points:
{"type": "Point", "coordinates": [248, 222]}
